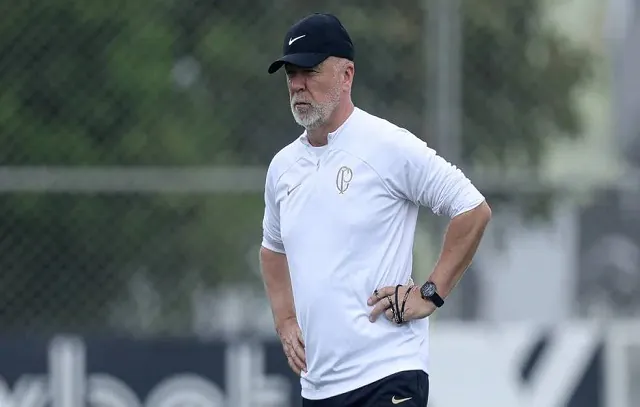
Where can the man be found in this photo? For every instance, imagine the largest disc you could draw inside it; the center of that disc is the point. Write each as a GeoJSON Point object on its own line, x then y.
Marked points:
{"type": "Point", "coordinates": [341, 206]}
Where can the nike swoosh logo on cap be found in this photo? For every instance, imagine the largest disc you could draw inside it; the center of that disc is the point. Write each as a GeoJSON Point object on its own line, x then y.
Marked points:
{"type": "Point", "coordinates": [292, 40]}
{"type": "Point", "coordinates": [394, 400]}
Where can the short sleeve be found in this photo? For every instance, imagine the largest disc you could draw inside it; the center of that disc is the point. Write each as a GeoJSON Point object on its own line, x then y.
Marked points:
{"type": "Point", "coordinates": [271, 238]}
{"type": "Point", "coordinates": [418, 174]}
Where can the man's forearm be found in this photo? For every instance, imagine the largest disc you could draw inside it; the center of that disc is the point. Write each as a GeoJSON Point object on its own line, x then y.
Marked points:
{"type": "Point", "coordinates": [460, 244]}
{"type": "Point", "coordinates": [275, 273]}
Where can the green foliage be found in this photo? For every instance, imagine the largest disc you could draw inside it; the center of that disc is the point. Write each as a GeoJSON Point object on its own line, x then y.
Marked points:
{"type": "Point", "coordinates": [185, 83]}
{"type": "Point", "coordinates": [519, 79]}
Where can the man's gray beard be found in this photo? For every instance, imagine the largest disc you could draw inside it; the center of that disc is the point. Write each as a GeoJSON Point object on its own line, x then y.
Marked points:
{"type": "Point", "coordinates": [311, 120]}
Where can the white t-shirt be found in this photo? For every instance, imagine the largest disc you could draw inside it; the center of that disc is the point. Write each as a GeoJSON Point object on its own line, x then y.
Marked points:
{"type": "Point", "coordinates": [346, 221]}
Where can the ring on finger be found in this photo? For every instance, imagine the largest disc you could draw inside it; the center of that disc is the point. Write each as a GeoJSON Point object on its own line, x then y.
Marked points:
{"type": "Point", "coordinates": [395, 316]}
{"type": "Point", "coordinates": [393, 311]}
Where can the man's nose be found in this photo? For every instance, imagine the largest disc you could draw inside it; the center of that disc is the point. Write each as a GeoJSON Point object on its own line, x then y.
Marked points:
{"type": "Point", "coordinates": [297, 82]}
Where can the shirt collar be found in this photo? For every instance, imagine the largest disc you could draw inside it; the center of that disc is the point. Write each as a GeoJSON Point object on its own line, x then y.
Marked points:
{"type": "Point", "coordinates": [334, 134]}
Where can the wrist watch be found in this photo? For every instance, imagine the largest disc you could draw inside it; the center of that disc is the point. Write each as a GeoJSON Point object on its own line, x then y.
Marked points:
{"type": "Point", "coordinates": [429, 292]}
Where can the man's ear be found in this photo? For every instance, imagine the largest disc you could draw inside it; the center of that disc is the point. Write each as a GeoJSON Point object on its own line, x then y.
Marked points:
{"type": "Point", "coordinates": [349, 73]}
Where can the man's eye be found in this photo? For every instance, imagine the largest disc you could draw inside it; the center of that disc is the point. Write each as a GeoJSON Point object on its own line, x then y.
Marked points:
{"type": "Point", "coordinates": [302, 72]}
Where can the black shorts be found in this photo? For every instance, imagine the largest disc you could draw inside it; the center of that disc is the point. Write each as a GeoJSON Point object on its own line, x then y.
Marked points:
{"type": "Point", "coordinates": [404, 389]}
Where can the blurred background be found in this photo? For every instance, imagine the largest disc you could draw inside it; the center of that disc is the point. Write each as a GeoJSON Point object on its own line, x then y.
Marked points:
{"type": "Point", "coordinates": [135, 138]}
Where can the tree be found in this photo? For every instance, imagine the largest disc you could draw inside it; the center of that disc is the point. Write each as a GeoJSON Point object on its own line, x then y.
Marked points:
{"type": "Point", "coordinates": [518, 74]}
{"type": "Point", "coordinates": [184, 83]}
{"type": "Point", "coordinates": [91, 84]}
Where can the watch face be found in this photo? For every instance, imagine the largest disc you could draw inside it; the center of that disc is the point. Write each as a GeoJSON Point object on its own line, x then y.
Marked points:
{"type": "Point", "coordinates": [428, 290]}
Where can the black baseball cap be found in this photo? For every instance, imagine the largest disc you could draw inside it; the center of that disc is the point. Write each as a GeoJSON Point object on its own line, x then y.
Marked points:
{"type": "Point", "coordinates": [312, 40]}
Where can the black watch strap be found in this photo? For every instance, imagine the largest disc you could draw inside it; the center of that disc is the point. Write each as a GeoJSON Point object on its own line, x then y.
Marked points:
{"type": "Point", "coordinates": [437, 300]}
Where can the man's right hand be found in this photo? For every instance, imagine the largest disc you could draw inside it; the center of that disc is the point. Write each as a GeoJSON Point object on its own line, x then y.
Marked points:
{"type": "Point", "coordinates": [293, 344]}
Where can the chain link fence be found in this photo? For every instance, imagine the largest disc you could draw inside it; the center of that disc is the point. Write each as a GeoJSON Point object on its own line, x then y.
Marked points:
{"type": "Point", "coordinates": [160, 86]}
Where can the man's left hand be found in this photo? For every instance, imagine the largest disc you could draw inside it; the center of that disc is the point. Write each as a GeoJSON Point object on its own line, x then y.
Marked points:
{"type": "Point", "coordinates": [415, 307]}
